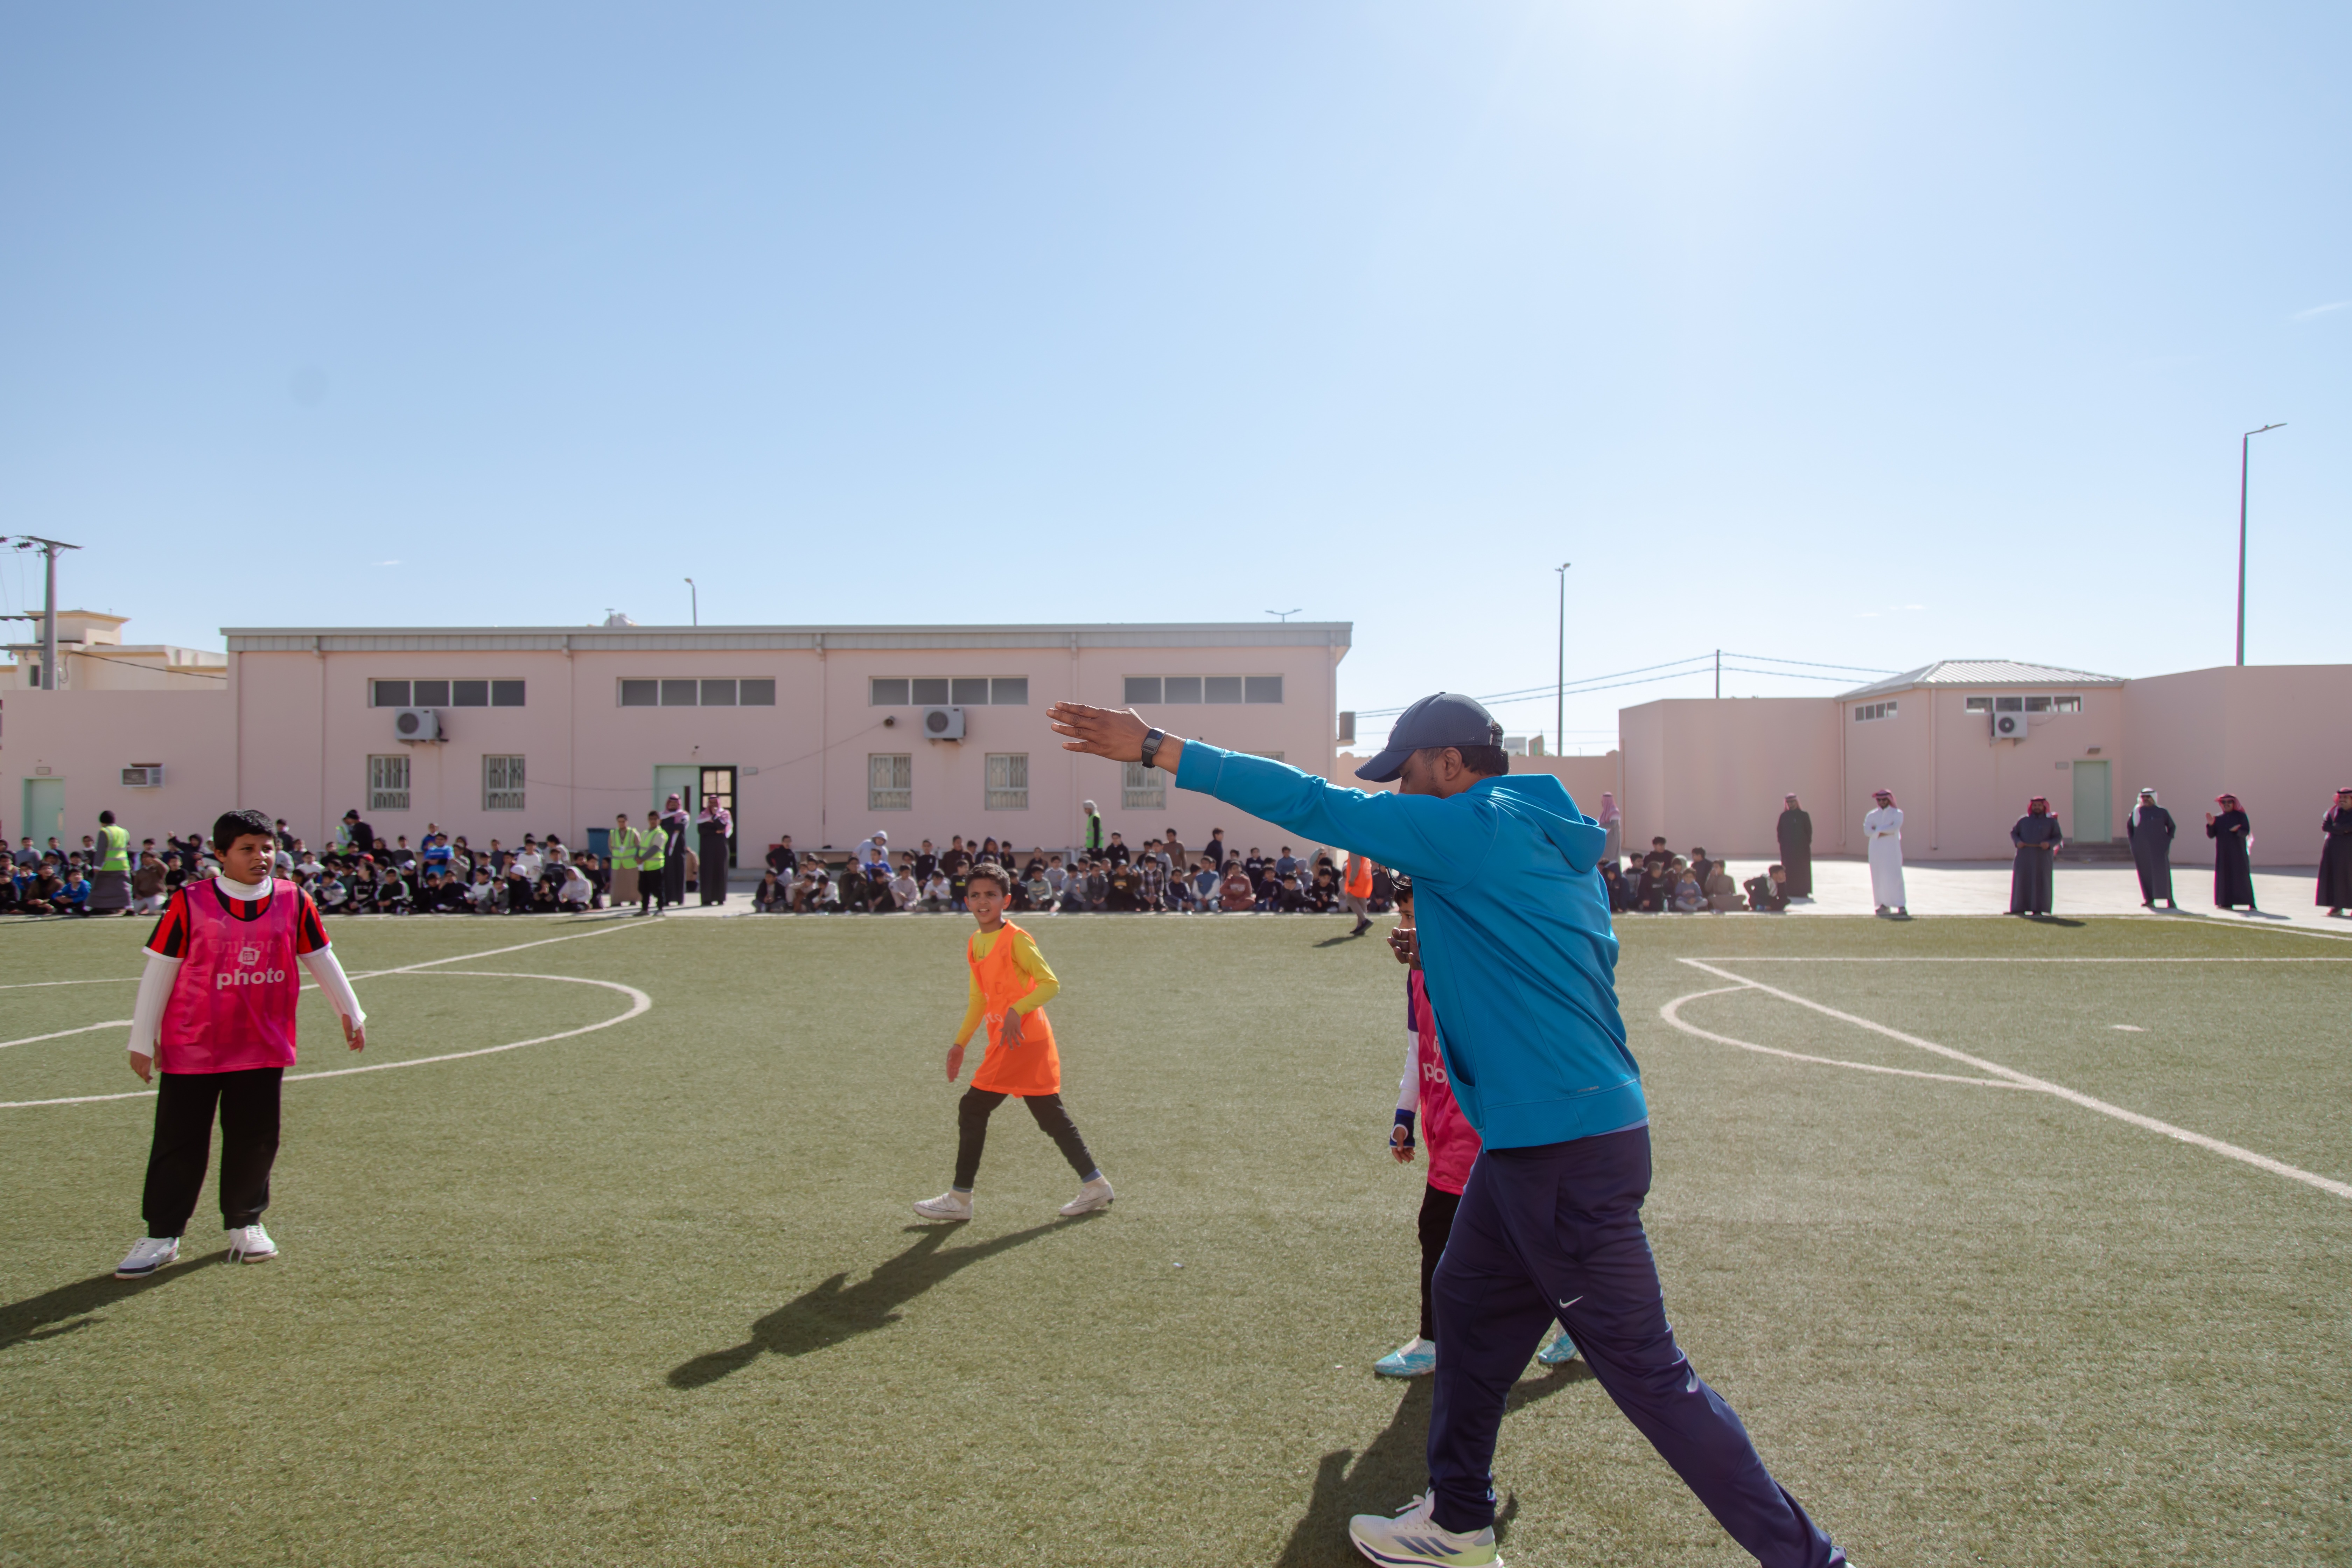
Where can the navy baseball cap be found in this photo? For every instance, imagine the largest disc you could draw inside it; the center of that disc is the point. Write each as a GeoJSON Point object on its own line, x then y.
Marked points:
{"type": "Point", "coordinates": [1444, 719]}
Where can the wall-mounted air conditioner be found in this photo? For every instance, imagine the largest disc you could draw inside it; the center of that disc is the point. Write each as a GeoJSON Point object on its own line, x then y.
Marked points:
{"type": "Point", "coordinates": [415, 724]}
{"type": "Point", "coordinates": [943, 723]}
{"type": "Point", "coordinates": [143, 775]}
{"type": "Point", "coordinates": [2009, 727]}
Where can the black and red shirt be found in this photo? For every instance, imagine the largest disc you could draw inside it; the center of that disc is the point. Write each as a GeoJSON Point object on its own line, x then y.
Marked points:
{"type": "Point", "coordinates": [171, 938]}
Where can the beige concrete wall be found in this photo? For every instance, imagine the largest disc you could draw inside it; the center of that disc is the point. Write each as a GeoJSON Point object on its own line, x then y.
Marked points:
{"type": "Point", "coordinates": [1963, 790]}
{"type": "Point", "coordinates": [1711, 771]}
{"type": "Point", "coordinates": [2276, 736]}
{"type": "Point", "coordinates": [306, 732]}
{"type": "Point", "coordinates": [88, 737]}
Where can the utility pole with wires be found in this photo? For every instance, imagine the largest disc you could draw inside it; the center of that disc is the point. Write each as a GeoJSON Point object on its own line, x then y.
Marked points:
{"type": "Point", "coordinates": [1559, 678]}
{"type": "Point", "coordinates": [49, 549]}
{"type": "Point", "coordinates": [1718, 675]}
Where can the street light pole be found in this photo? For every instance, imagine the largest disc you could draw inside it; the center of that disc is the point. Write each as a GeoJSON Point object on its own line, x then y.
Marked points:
{"type": "Point", "coordinates": [2244, 441]}
{"type": "Point", "coordinates": [49, 548]}
{"type": "Point", "coordinates": [695, 595]}
{"type": "Point", "coordinates": [1559, 688]}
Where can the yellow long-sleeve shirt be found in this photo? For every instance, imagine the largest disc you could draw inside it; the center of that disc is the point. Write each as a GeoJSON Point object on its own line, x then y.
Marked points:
{"type": "Point", "coordinates": [1027, 960]}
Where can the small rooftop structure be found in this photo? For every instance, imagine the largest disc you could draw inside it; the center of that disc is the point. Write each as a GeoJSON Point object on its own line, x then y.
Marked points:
{"type": "Point", "coordinates": [1981, 672]}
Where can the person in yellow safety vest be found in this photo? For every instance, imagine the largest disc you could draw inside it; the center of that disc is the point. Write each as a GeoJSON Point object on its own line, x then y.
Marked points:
{"type": "Point", "coordinates": [1358, 891]}
{"type": "Point", "coordinates": [109, 882]}
{"type": "Point", "coordinates": [651, 858]}
{"type": "Point", "coordinates": [1092, 832]}
{"type": "Point", "coordinates": [623, 852]}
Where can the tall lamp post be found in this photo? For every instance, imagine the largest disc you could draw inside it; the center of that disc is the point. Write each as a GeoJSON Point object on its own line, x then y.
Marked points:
{"type": "Point", "coordinates": [1559, 687]}
{"type": "Point", "coordinates": [49, 549]}
{"type": "Point", "coordinates": [694, 597]}
{"type": "Point", "coordinates": [2244, 441]}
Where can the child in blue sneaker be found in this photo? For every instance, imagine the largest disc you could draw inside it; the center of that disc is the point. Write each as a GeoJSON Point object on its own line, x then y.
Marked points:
{"type": "Point", "coordinates": [1426, 1095]}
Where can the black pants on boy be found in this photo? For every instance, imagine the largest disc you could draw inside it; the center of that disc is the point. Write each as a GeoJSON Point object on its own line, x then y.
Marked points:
{"type": "Point", "coordinates": [184, 1144]}
{"type": "Point", "coordinates": [1437, 1206]}
{"type": "Point", "coordinates": [973, 1110]}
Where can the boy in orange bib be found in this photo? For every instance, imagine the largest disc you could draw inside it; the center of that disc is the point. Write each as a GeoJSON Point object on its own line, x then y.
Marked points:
{"type": "Point", "coordinates": [1010, 987]}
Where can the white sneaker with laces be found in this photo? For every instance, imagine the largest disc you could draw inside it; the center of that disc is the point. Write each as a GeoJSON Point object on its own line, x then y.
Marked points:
{"type": "Point", "coordinates": [250, 1244]}
{"type": "Point", "coordinates": [949, 1204]}
{"type": "Point", "coordinates": [1414, 1540]}
{"type": "Point", "coordinates": [1095, 1195]}
{"type": "Point", "coordinates": [147, 1255]}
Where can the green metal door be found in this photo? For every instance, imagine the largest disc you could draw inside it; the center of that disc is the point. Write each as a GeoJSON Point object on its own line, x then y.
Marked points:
{"type": "Point", "coordinates": [45, 811]}
{"type": "Point", "coordinates": [2091, 824]}
{"type": "Point", "coordinates": [682, 782]}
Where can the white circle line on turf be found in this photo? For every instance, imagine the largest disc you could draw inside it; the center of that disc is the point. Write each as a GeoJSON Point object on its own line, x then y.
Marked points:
{"type": "Point", "coordinates": [639, 1003]}
{"type": "Point", "coordinates": [2026, 1080]}
{"type": "Point", "coordinates": [30, 984]}
{"type": "Point", "coordinates": [1672, 1014]}
{"type": "Point", "coordinates": [1989, 958]}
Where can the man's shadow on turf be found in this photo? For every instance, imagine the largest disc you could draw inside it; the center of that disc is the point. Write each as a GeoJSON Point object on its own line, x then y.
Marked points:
{"type": "Point", "coordinates": [75, 1306]}
{"type": "Point", "coordinates": [834, 1310]}
{"type": "Point", "coordinates": [1393, 1471]}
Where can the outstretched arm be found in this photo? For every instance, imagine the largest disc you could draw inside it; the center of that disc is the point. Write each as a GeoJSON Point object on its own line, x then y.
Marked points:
{"type": "Point", "coordinates": [1423, 835]}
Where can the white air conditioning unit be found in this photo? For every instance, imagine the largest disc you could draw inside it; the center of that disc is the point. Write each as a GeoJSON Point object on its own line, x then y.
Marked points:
{"type": "Point", "coordinates": [415, 724]}
{"type": "Point", "coordinates": [143, 775]}
{"type": "Point", "coordinates": [2009, 726]}
{"type": "Point", "coordinates": [943, 723]}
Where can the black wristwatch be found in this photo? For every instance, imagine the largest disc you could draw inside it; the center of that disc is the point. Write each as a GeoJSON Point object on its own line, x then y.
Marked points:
{"type": "Point", "coordinates": [1151, 745]}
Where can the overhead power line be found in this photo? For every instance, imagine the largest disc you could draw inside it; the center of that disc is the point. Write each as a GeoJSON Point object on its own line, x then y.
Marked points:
{"type": "Point", "coordinates": [1697, 664]}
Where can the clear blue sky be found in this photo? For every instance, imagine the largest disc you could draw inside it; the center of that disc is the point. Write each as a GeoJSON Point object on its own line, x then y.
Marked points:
{"type": "Point", "coordinates": [1841, 332]}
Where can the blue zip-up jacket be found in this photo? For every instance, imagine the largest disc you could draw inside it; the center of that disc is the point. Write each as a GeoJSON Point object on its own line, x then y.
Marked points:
{"type": "Point", "coordinates": [1516, 942]}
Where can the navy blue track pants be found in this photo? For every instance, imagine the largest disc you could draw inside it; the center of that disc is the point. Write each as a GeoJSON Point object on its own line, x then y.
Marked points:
{"type": "Point", "coordinates": [1555, 1231]}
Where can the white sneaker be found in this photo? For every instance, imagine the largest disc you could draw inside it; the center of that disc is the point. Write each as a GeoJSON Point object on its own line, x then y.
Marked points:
{"type": "Point", "coordinates": [949, 1204]}
{"type": "Point", "coordinates": [147, 1256]}
{"type": "Point", "coordinates": [1412, 1540]}
{"type": "Point", "coordinates": [1095, 1195]}
{"type": "Point", "coordinates": [250, 1244]}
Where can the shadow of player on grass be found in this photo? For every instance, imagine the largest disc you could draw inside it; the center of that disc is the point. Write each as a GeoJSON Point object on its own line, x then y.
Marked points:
{"type": "Point", "coordinates": [30, 1319]}
{"type": "Point", "coordinates": [834, 1311]}
{"type": "Point", "coordinates": [1393, 1471]}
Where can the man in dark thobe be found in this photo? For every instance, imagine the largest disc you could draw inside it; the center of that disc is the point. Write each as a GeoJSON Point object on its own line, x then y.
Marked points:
{"type": "Point", "coordinates": [2233, 872]}
{"type": "Point", "coordinates": [674, 824]}
{"type": "Point", "coordinates": [2150, 831]}
{"type": "Point", "coordinates": [2335, 894]}
{"type": "Point", "coordinates": [1796, 835]}
{"type": "Point", "coordinates": [2036, 837]}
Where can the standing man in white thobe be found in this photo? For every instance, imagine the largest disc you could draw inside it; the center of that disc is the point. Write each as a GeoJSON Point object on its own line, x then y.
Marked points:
{"type": "Point", "coordinates": [1881, 829]}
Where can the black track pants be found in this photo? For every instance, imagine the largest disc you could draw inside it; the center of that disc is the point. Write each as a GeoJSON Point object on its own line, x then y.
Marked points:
{"type": "Point", "coordinates": [973, 1110]}
{"type": "Point", "coordinates": [183, 1142]}
{"type": "Point", "coordinates": [1437, 1206]}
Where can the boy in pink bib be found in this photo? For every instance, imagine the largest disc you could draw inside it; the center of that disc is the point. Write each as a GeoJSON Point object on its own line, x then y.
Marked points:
{"type": "Point", "coordinates": [216, 1016]}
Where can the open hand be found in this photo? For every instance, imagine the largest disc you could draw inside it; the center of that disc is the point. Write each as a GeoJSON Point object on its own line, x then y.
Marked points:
{"type": "Point", "coordinates": [1405, 942]}
{"type": "Point", "coordinates": [1114, 732]}
{"type": "Point", "coordinates": [1010, 1031]}
{"type": "Point", "coordinates": [955, 1062]}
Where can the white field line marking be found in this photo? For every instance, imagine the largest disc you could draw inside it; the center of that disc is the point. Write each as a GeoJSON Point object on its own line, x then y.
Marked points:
{"type": "Point", "coordinates": [2026, 1080]}
{"type": "Point", "coordinates": [1672, 1014]}
{"type": "Point", "coordinates": [61, 1034]}
{"type": "Point", "coordinates": [639, 1003]}
{"type": "Point", "coordinates": [1939, 958]}
{"type": "Point", "coordinates": [29, 985]}
{"type": "Point", "coordinates": [307, 986]}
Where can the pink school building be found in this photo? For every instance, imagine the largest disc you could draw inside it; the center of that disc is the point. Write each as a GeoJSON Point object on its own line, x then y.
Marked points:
{"type": "Point", "coordinates": [823, 733]}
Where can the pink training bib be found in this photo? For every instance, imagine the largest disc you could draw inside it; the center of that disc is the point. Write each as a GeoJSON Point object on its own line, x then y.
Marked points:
{"type": "Point", "coordinates": [231, 1005]}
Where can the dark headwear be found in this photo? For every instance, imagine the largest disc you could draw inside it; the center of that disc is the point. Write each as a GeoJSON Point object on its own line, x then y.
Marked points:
{"type": "Point", "coordinates": [1442, 718]}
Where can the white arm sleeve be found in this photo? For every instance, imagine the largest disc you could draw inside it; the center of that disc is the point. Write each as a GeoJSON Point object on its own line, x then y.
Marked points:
{"type": "Point", "coordinates": [147, 1013]}
{"type": "Point", "coordinates": [1409, 1086]}
{"type": "Point", "coordinates": [327, 971]}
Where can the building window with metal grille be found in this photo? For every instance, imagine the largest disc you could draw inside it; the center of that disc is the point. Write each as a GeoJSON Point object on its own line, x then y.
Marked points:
{"type": "Point", "coordinates": [501, 784]}
{"type": "Point", "coordinates": [387, 783]}
{"type": "Point", "coordinates": [1863, 713]}
{"type": "Point", "coordinates": [1143, 789]}
{"type": "Point", "coordinates": [1008, 781]}
{"type": "Point", "coordinates": [890, 781]}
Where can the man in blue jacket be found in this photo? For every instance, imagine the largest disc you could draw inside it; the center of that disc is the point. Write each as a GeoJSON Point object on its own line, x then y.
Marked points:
{"type": "Point", "coordinates": [1520, 961]}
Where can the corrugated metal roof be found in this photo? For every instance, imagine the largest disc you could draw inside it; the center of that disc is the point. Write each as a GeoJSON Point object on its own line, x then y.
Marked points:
{"type": "Point", "coordinates": [1982, 672]}
{"type": "Point", "coordinates": [627, 639]}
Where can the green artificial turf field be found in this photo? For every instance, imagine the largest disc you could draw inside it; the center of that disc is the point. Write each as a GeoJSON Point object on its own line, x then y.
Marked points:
{"type": "Point", "coordinates": [652, 1293]}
